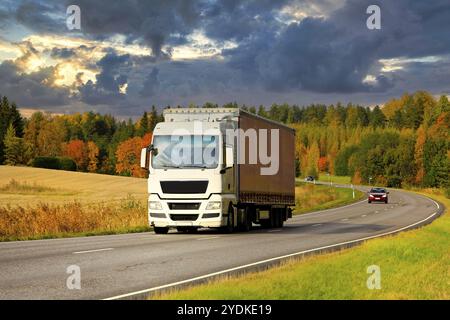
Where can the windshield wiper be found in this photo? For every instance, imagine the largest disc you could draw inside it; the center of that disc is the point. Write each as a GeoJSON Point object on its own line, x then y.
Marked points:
{"type": "Point", "coordinates": [171, 166]}
{"type": "Point", "coordinates": [196, 166]}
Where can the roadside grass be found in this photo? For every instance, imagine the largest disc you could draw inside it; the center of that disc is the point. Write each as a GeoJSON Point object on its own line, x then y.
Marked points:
{"type": "Point", "coordinates": [335, 179]}
{"type": "Point", "coordinates": [413, 265]}
{"type": "Point", "coordinates": [71, 219]}
{"type": "Point", "coordinates": [310, 197]}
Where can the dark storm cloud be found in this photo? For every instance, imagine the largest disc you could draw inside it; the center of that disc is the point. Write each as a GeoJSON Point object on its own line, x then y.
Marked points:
{"type": "Point", "coordinates": [151, 83]}
{"type": "Point", "coordinates": [113, 75]}
{"type": "Point", "coordinates": [38, 15]}
{"type": "Point", "coordinates": [335, 54]}
{"type": "Point", "coordinates": [237, 20]}
{"type": "Point", "coordinates": [30, 90]}
{"type": "Point", "coordinates": [155, 23]}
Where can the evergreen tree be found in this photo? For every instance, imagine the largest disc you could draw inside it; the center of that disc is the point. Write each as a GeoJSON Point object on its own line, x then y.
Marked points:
{"type": "Point", "coordinates": [377, 118]}
{"type": "Point", "coordinates": [143, 125]}
{"type": "Point", "coordinates": [16, 151]}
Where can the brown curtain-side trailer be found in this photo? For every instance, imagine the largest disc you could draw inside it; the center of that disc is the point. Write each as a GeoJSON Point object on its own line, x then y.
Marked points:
{"type": "Point", "coordinates": [258, 189]}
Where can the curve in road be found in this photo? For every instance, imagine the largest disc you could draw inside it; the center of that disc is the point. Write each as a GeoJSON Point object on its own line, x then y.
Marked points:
{"type": "Point", "coordinates": [132, 265]}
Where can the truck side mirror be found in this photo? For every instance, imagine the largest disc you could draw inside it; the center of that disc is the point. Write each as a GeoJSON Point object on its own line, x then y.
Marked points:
{"type": "Point", "coordinates": [144, 158]}
{"type": "Point", "coordinates": [229, 157]}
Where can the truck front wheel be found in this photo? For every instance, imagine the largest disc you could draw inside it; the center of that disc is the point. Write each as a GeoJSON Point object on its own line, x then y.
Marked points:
{"type": "Point", "coordinates": [230, 220]}
{"type": "Point", "coordinates": [161, 230]}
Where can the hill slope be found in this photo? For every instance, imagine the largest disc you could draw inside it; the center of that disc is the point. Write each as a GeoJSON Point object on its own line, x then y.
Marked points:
{"type": "Point", "coordinates": [54, 186]}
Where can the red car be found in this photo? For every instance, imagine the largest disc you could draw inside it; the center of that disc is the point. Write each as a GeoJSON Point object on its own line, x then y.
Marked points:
{"type": "Point", "coordinates": [378, 194]}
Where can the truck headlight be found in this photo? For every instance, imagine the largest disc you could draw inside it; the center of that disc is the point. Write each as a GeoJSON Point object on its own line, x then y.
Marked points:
{"type": "Point", "coordinates": [154, 205]}
{"type": "Point", "coordinates": [214, 205]}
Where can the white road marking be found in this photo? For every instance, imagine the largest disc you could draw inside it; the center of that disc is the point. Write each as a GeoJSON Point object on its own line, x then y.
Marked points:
{"type": "Point", "coordinates": [364, 215]}
{"type": "Point", "coordinates": [277, 230]}
{"type": "Point", "coordinates": [206, 276]}
{"type": "Point", "coordinates": [317, 225]}
{"type": "Point", "coordinates": [345, 219]}
{"type": "Point", "coordinates": [96, 250]}
{"type": "Point", "coordinates": [209, 238]}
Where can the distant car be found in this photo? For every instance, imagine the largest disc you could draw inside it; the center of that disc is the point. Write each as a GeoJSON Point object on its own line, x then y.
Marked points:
{"type": "Point", "coordinates": [309, 178]}
{"type": "Point", "coordinates": [378, 194]}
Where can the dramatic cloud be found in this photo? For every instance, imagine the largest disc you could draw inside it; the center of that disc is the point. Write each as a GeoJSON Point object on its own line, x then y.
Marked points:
{"type": "Point", "coordinates": [31, 89]}
{"type": "Point", "coordinates": [129, 55]}
{"type": "Point", "coordinates": [110, 82]}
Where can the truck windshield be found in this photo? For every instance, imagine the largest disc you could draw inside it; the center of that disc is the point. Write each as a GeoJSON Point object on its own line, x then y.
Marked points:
{"type": "Point", "coordinates": [186, 151]}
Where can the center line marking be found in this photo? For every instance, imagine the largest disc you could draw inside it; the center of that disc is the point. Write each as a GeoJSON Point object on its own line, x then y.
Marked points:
{"type": "Point", "coordinates": [96, 250]}
{"type": "Point", "coordinates": [209, 238]}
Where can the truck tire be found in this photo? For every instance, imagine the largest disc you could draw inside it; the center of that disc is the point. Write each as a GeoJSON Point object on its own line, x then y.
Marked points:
{"type": "Point", "coordinates": [161, 230]}
{"type": "Point", "coordinates": [278, 218]}
{"type": "Point", "coordinates": [230, 220]}
{"type": "Point", "coordinates": [247, 220]}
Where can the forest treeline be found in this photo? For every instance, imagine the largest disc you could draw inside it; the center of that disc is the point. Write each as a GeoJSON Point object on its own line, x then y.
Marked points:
{"type": "Point", "coordinates": [404, 142]}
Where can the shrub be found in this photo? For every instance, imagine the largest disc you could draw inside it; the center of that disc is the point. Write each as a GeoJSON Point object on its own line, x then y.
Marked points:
{"type": "Point", "coordinates": [46, 163]}
{"type": "Point", "coordinates": [67, 164]}
{"type": "Point", "coordinates": [55, 163]}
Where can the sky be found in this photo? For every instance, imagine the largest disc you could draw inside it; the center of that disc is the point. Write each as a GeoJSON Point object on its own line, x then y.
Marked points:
{"type": "Point", "coordinates": [130, 55]}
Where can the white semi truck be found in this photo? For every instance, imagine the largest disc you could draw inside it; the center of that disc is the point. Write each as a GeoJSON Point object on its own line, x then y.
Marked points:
{"type": "Point", "coordinates": [219, 168]}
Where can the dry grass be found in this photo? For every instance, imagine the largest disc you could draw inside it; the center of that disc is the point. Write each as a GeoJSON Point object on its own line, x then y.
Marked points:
{"type": "Point", "coordinates": [70, 219]}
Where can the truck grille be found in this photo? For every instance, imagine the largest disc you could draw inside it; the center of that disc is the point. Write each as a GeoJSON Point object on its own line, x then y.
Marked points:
{"type": "Point", "coordinates": [185, 187]}
{"type": "Point", "coordinates": [184, 206]}
{"type": "Point", "coordinates": [184, 217]}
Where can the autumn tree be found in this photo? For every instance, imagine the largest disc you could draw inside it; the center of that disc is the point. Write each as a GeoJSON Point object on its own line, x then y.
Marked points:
{"type": "Point", "coordinates": [418, 155]}
{"type": "Point", "coordinates": [51, 137]}
{"type": "Point", "coordinates": [128, 156]}
{"type": "Point", "coordinates": [76, 149]}
{"type": "Point", "coordinates": [323, 164]}
{"type": "Point", "coordinates": [92, 156]}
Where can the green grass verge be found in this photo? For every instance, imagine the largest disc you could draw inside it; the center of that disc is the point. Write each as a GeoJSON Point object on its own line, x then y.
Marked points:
{"type": "Point", "coordinates": [310, 197]}
{"type": "Point", "coordinates": [414, 265]}
{"type": "Point", "coordinates": [335, 179]}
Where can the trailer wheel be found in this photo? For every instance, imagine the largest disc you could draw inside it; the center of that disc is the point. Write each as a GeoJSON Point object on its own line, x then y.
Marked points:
{"type": "Point", "coordinates": [161, 230]}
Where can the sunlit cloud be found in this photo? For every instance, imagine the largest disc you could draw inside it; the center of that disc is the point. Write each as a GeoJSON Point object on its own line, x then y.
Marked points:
{"type": "Point", "coordinates": [394, 64]}
{"type": "Point", "coordinates": [200, 46]}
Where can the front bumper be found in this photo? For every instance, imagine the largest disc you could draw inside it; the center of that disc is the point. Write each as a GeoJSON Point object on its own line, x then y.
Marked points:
{"type": "Point", "coordinates": [200, 218]}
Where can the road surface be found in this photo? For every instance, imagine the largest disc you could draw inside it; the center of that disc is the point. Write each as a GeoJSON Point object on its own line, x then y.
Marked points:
{"type": "Point", "coordinates": [114, 265]}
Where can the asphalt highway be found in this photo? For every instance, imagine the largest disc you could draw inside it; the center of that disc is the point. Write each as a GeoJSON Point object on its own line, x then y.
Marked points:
{"type": "Point", "coordinates": [116, 265]}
